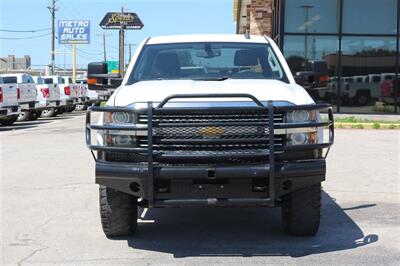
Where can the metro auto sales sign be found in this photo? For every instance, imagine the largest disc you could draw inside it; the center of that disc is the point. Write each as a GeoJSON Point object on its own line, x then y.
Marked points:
{"type": "Point", "coordinates": [73, 31]}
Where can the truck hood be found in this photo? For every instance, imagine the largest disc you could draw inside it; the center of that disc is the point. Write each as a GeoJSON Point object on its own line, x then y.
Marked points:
{"type": "Point", "coordinates": [156, 91]}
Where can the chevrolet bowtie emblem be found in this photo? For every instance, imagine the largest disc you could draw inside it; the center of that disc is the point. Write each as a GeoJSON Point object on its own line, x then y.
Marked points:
{"type": "Point", "coordinates": [211, 131]}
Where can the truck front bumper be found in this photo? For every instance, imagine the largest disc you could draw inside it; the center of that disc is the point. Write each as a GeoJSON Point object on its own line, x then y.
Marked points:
{"type": "Point", "coordinates": [195, 186]}
{"type": "Point", "coordinates": [164, 174]}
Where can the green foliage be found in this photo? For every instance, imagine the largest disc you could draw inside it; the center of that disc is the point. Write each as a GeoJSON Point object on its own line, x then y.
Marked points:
{"type": "Point", "coordinates": [392, 126]}
{"type": "Point", "coordinates": [357, 126]}
{"type": "Point", "coordinates": [376, 52]}
{"type": "Point", "coordinates": [352, 119]}
{"type": "Point", "coordinates": [376, 125]}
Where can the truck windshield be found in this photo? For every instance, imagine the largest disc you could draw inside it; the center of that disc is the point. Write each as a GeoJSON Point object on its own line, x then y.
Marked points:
{"type": "Point", "coordinates": [207, 61]}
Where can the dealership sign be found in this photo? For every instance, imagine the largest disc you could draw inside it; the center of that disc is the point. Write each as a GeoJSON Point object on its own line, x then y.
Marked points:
{"type": "Point", "coordinates": [73, 31]}
{"type": "Point", "coordinates": [116, 20]}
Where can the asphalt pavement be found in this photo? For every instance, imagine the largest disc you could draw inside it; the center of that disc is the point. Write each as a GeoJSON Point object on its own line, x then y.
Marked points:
{"type": "Point", "coordinates": [50, 213]}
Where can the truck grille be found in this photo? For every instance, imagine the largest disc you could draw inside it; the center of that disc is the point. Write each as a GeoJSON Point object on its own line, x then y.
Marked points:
{"type": "Point", "coordinates": [206, 137]}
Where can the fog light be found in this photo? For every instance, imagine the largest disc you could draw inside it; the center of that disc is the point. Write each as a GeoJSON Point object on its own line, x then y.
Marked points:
{"type": "Point", "coordinates": [297, 138]}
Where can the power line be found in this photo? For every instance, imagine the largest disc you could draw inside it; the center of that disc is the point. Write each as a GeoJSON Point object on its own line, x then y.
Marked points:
{"type": "Point", "coordinates": [25, 30]}
{"type": "Point", "coordinates": [24, 38]}
{"type": "Point", "coordinates": [88, 53]}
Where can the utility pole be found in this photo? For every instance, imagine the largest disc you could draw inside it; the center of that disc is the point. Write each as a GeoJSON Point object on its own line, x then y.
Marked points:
{"type": "Point", "coordinates": [104, 46]}
{"type": "Point", "coordinates": [121, 47]}
{"type": "Point", "coordinates": [130, 52]}
{"type": "Point", "coordinates": [73, 63]}
{"type": "Point", "coordinates": [306, 26]}
{"type": "Point", "coordinates": [53, 10]}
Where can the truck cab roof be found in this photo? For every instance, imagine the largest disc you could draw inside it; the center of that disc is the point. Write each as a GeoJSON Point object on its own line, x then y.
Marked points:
{"type": "Point", "coordinates": [206, 38]}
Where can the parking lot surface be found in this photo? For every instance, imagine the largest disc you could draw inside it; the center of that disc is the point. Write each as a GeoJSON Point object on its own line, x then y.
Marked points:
{"type": "Point", "coordinates": [50, 214]}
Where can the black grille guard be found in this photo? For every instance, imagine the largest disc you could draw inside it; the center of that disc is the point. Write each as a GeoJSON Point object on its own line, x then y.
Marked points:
{"type": "Point", "coordinates": [150, 111]}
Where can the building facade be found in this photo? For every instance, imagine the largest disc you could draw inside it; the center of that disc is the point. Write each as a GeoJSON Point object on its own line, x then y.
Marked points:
{"type": "Point", "coordinates": [15, 63]}
{"type": "Point", "coordinates": [345, 52]}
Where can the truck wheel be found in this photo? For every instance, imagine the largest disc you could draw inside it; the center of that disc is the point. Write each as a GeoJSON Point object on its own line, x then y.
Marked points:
{"type": "Point", "coordinates": [24, 116]}
{"type": "Point", "coordinates": [301, 211]}
{"type": "Point", "coordinates": [49, 113]}
{"type": "Point", "coordinates": [362, 98]}
{"type": "Point", "coordinates": [60, 110]}
{"type": "Point", "coordinates": [81, 107]}
{"type": "Point", "coordinates": [8, 121]}
{"type": "Point", "coordinates": [35, 115]}
{"type": "Point", "coordinates": [69, 109]}
{"type": "Point", "coordinates": [118, 212]}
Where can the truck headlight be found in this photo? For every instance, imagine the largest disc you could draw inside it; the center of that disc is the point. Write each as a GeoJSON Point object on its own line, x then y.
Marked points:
{"type": "Point", "coordinates": [297, 116]}
{"type": "Point", "coordinates": [302, 138]}
{"type": "Point", "coordinates": [298, 138]}
{"type": "Point", "coordinates": [122, 140]}
{"type": "Point", "coordinates": [301, 135]}
{"type": "Point", "coordinates": [119, 138]}
{"type": "Point", "coordinates": [118, 117]}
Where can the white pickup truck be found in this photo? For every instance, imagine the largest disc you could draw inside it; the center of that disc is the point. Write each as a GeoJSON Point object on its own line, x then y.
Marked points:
{"type": "Point", "coordinates": [48, 96]}
{"type": "Point", "coordinates": [207, 120]}
{"type": "Point", "coordinates": [68, 98]}
{"type": "Point", "coordinates": [83, 100]}
{"type": "Point", "coordinates": [67, 82]}
{"type": "Point", "coordinates": [27, 95]}
{"type": "Point", "coordinates": [9, 108]}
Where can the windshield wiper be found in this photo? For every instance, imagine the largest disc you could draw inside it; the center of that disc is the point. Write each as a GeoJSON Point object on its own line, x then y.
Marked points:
{"type": "Point", "coordinates": [222, 78]}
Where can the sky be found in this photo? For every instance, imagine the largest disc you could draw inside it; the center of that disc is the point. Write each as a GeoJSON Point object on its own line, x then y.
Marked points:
{"type": "Point", "coordinates": [160, 17]}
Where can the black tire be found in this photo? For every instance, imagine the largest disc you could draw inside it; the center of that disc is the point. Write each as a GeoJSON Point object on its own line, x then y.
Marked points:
{"type": "Point", "coordinates": [35, 115]}
{"type": "Point", "coordinates": [9, 121]}
{"type": "Point", "coordinates": [25, 116]}
{"type": "Point", "coordinates": [49, 113]}
{"type": "Point", "coordinates": [118, 212]}
{"type": "Point", "coordinates": [362, 98]}
{"type": "Point", "coordinates": [69, 109]}
{"type": "Point", "coordinates": [60, 110]}
{"type": "Point", "coordinates": [301, 211]}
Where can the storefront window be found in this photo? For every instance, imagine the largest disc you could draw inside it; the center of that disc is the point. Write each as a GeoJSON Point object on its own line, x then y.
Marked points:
{"type": "Point", "coordinates": [368, 73]}
{"type": "Point", "coordinates": [312, 16]}
{"type": "Point", "coordinates": [363, 78]}
{"type": "Point", "coordinates": [370, 16]}
{"type": "Point", "coordinates": [317, 68]}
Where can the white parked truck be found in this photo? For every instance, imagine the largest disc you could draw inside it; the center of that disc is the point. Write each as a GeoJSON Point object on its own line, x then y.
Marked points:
{"type": "Point", "coordinates": [84, 99]}
{"type": "Point", "coordinates": [48, 96]}
{"type": "Point", "coordinates": [67, 98]}
{"type": "Point", "coordinates": [67, 82]}
{"type": "Point", "coordinates": [27, 93]}
{"type": "Point", "coordinates": [9, 107]}
{"type": "Point", "coordinates": [207, 120]}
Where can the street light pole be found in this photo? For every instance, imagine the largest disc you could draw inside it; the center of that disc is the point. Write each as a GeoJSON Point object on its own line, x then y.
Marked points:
{"type": "Point", "coordinates": [121, 47]}
{"type": "Point", "coordinates": [104, 46]}
{"type": "Point", "coordinates": [306, 23]}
